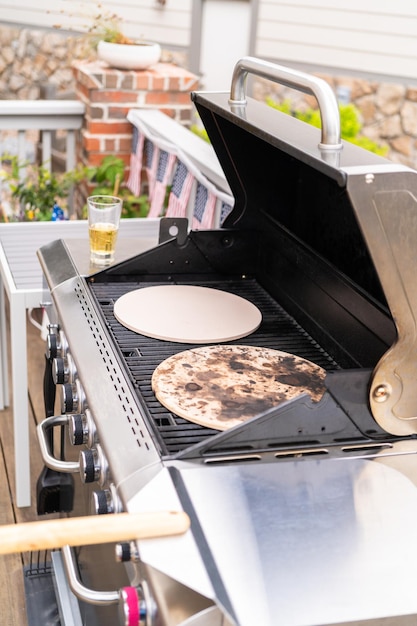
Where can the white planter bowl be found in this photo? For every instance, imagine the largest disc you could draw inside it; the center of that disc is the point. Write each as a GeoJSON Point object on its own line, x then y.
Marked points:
{"type": "Point", "coordinates": [129, 56]}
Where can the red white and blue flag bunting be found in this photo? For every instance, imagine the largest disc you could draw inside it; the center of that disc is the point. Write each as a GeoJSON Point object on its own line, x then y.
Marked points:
{"type": "Point", "coordinates": [151, 164]}
{"type": "Point", "coordinates": [195, 197]}
{"type": "Point", "coordinates": [134, 182]}
{"type": "Point", "coordinates": [163, 178]}
{"type": "Point", "coordinates": [225, 209]}
{"type": "Point", "coordinates": [204, 207]}
{"type": "Point", "coordinates": [192, 195]}
{"type": "Point", "coordinates": [179, 196]}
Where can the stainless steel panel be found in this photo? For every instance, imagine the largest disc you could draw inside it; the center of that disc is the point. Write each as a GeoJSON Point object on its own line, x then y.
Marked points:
{"type": "Point", "coordinates": [303, 543]}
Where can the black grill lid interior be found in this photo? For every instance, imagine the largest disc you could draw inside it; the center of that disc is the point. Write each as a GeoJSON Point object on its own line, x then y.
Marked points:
{"type": "Point", "coordinates": [279, 176]}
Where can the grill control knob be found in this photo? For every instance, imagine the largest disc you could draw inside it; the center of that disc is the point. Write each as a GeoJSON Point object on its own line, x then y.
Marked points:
{"type": "Point", "coordinates": [76, 431]}
{"type": "Point", "coordinates": [63, 370]}
{"type": "Point", "coordinates": [127, 551]}
{"type": "Point", "coordinates": [56, 343]}
{"type": "Point", "coordinates": [51, 345]}
{"type": "Point", "coordinates": [102, 504]}
{"type": "Point", "coordinates": [72, 398]}
{"type": "Point", "coordinates": [93, 466]}
{"type": "Point", "coordinates": [89, 466]}
{"type": "Point", "coordinates": [132, 608]}
{"type": "Point", "coordinates": [59, 371]}
{"type": "Point", "coordinates": [82, 430]}
{"type": "Point", "coordinates": [106, 501]}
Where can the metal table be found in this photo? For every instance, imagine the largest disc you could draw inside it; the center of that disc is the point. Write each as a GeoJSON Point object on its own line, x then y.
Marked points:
{"type": "Point", "coordinates": [21, 279]}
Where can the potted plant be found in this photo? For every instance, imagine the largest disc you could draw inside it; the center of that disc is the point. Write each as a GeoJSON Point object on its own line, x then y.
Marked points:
{"type": "Point", "coordinates": [115, 48]}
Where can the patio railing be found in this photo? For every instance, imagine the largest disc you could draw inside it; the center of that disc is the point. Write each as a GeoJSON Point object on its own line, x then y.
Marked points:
{"type": "Point", "coordinates": [45, 116]}
{"type": "Point", "coordinates": [206, 198]}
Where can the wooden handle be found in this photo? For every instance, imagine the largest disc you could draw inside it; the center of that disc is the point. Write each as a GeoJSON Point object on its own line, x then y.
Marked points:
{"type": "Point", "coordinates": [89, 530]}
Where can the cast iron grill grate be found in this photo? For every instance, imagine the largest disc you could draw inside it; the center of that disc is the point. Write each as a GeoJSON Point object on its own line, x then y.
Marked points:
{"type": "Point", "coordinates": [140, 355]}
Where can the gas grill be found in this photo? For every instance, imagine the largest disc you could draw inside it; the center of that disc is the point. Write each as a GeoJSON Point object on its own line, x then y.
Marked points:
{"type": "Point", "coordinates": [304, 514]}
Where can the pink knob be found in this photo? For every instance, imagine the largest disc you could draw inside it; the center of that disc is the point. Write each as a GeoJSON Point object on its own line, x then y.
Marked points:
{"type": "Point", "coordinates": [130, 606]}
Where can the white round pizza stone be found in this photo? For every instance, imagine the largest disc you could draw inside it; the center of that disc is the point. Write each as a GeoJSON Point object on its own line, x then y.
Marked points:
{"type": "Point", "coordinates": [187, 314]}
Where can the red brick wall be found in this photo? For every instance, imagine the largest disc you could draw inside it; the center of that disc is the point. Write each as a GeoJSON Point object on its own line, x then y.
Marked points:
{"type": "Point", "coordinates": [109, 94]}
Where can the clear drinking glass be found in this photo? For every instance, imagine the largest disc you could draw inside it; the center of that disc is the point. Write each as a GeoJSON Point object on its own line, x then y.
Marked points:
{"type": "Point", "coordinates": [103, 225]}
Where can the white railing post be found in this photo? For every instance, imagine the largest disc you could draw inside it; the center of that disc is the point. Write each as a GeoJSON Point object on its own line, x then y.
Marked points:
{"type": "Point", "coordinates": [46, 116]}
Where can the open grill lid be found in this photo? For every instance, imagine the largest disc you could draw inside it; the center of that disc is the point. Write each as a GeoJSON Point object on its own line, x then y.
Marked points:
{"type": "Point", "coordinates": [355, 210]}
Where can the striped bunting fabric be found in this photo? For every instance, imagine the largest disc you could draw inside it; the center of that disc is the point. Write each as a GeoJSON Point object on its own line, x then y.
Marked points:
{"type": "Point", "coordinates": [151, 164]}
{"type": "Point", "coordinates": [204, 207]}
{"type": "Point", "coordinates": [224, 211]}
{"type": "Point", "coordinates": [163, 178]}
{"type": "Point", "coordinates": [134, 182]}
{"type": "Point", "coordinates": [192, 195]}
{"type": "Point", "coordinates": [179, 196]}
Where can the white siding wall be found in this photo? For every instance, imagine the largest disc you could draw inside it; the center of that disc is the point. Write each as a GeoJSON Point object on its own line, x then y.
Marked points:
{"type": "Point", "coordinates": [359, 36]}
{"type": "Point", "coordinates": [368, 36]}
{"type": "Point", "coordinates": [169, 24]}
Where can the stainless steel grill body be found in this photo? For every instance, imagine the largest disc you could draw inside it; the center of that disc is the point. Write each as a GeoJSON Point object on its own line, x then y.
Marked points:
{"type": "Point", "coordinates": [306, 514]}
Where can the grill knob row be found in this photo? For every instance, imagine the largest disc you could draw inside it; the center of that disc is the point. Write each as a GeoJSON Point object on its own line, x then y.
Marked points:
{"type": "Point", "coordinates": [93, 466]}
{"type": "Point", "coordinates": [81, 427]}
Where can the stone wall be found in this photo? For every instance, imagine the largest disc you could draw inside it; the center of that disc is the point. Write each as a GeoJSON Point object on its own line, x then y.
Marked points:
{"type": "Point", "coordinates": [33, 62]}
{"type": "Point", "coordinates": [388, 110]}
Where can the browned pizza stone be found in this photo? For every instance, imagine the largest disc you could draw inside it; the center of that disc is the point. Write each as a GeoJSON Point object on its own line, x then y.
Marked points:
{"type": "Point", "coordinates": [220, 386]}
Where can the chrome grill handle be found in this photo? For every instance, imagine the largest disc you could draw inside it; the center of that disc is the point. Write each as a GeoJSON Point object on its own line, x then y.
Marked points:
{"type": "Point", "coordinates": [307, 83]}
{"type": "Point", "coordinates": [69, 467]}
{"type": "Point", "coordinates": [84, 593]}
{"type": "Point", "coordinates": [134, 602]}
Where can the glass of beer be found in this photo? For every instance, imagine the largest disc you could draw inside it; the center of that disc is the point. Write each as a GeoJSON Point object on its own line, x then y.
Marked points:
{"type": "Point", "coordinates": [103, 225]}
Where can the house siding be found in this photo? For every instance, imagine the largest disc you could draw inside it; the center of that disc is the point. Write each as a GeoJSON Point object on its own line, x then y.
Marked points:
{"type": "Point", "coordinates": [374, 37]}
{"type": "Point", "coordinates": [377, 37]}
{"type": "Point", "coordinates": [169, 24]}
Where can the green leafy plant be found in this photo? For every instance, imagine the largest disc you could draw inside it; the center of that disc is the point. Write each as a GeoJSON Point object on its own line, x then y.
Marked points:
{"type": "Point", "coordinates": [350, 123]}
{"type": "Point", "coordinates": [109, 178]}
{"type": "Point", "coordinates": [33, 197]}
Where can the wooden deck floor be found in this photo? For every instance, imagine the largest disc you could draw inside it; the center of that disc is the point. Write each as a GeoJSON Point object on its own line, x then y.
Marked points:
{"type": "Point", "coordinates": [12, 597]}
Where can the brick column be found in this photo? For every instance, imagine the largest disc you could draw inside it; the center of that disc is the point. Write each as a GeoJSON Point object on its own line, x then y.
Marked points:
{"type": "Point", "coordinates": [109, 94]}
